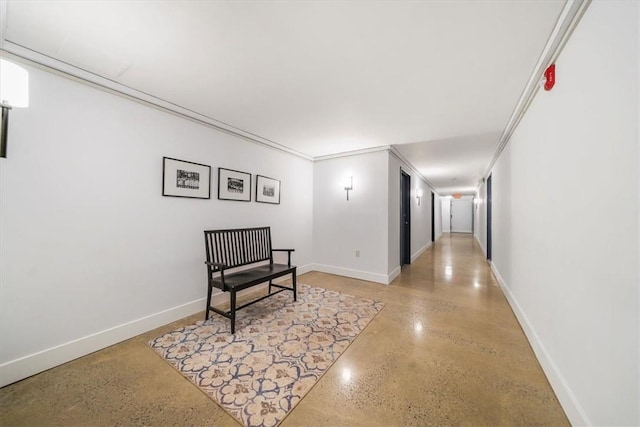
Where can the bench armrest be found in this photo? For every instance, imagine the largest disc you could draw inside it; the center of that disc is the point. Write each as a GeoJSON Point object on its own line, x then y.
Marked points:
{"type": "Point", "coordinates": [218, 267]}
{"type": "Point", "coordinates": [288, 254]}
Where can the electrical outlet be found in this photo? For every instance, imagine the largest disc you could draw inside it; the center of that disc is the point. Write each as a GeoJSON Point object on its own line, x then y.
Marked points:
{"type": "Point", "coordinates": [357, 253]}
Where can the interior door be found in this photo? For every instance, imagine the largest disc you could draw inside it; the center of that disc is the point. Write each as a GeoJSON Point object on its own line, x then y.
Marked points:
{"type": "Point", "coordinates": [405, 218]}
{"type": "Point", "coordinates": [433, 217]}
{"type": "Point", "coordinates": [461, 215]}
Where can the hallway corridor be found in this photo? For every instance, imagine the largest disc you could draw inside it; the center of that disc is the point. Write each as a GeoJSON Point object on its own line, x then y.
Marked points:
{"type": "Point", "coordinates": [445, 350]}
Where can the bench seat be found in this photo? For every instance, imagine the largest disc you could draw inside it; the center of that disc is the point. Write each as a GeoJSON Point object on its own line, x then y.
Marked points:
{"type": "Point", "coordinates": [254, 276]}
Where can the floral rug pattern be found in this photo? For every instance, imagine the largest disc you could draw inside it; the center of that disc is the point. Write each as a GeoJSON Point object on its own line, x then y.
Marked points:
{"type": "Point", "coordinates": [280, 350]}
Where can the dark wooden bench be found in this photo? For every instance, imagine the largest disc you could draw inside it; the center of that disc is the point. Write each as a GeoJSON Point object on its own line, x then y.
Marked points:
{"type": "Point", "coordinates": [229, 249]}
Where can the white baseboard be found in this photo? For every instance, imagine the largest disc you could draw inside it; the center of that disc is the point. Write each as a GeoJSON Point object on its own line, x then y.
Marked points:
{"type": "Point", "coordinates": [573, 409]}
{"type": "Point", "coordinates": [395, 273]}
{"type": "Point", "coordinates": [304, 269]}
{"type": "Point", "coordinates": [355, 274]}
{"type": "Point", "coordinates": [32, 364]}
{"type": "Point", "coordinates": [484, 250]}
{"type": "Point", "coordinates": [420, 251]}
{"type": "Point", "coordinates": [26, 366]}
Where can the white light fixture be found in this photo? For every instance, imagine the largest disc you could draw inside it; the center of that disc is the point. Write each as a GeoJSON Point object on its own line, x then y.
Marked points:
{"type": "Point", "coordinates": [14, 85]}
{"type": "Point", "coordinates": [418, 195]}
{"type": "Point", "coordinates": [348, 186]}
{"type": "Point", "coordinates": [14, 92]}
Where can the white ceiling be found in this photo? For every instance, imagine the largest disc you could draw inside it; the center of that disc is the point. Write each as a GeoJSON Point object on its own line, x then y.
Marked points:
{"type": "Point", "coordinates": [439, 80]}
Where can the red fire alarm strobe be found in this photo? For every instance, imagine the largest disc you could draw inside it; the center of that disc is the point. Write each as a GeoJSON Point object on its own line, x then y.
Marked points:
{"type": "Point", "coordinates": [550, 77]}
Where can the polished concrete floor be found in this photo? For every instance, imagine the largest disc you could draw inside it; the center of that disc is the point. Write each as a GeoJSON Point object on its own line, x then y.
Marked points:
{"type": "Point", "coordinates": [445, 350]}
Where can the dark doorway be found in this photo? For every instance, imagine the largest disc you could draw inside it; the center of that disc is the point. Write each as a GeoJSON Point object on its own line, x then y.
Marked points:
{"type": "Point", "coordinates": [405, 218]}
{"type": "Point", "coordinates": [433, 217]}
{"type": "Point", "coordinates": [489, 218]}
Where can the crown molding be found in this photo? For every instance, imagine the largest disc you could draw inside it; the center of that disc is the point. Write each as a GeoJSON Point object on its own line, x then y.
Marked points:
{"type": "Point", "coordinates": [72, 72]}
{"type": "Point", "coordinates": [396, 153]}
{"type": "Point", "coordinates": [567, 21]}
{"type": "Point", "coordinates": [352, 153]}
{"type": "Point", "coordinates": [392, 150]}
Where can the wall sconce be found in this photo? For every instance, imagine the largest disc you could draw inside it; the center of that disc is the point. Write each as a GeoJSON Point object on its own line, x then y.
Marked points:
{"type": "Point", "coordinates": [14, 92]}
{"type": "Point", "coordinates": [348, 186]}
{"type": "Point", "coordinates": [418, 195]}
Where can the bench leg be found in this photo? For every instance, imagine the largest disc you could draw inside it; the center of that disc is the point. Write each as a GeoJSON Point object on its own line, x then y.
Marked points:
{"type": "Point", "coordinates": [270, 283]}
{"type": "Point", "coordinates": [232, 311]}
{"type": "Point", "coordinates": [295, 289]}
{"type": "Point", "coordinates": [208, 302]}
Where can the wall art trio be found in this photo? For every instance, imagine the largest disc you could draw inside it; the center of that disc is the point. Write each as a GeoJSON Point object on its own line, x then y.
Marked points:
{"type": "Point", "coordinates": [181, 178]}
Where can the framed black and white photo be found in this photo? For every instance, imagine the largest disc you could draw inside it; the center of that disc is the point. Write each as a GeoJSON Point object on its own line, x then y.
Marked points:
{"type": "Point", "coordinates": [185, 179]}
{"type": "Point", "coordinates": [267, 190]}
{"type": "Point", "coordinates": [234, 185]}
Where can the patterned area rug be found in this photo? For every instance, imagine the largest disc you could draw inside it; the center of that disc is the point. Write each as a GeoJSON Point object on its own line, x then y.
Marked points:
{"type": "Point", "coordinates": [280, 350]}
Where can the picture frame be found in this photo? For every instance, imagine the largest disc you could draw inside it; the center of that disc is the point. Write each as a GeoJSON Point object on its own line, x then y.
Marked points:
{"type": "Point", "coordinates": [234, 185]}
{"type": "Point", "coordinates": [181, 178]}
{"type": "Point", "coordinates": [267, 190]}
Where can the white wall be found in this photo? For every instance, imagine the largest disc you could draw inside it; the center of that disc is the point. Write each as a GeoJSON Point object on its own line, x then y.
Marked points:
{"type": "Point", "coordinates": [341, 227]}
{"type": "Point", "coordinates": [420, 217]}
{"type": "Point", "coordinates": [446, 214]}
{"type": "Point", "coordinates": [638, 136]}
{"type": "Point", "coordinates": [462, 215]}
{"type": "Point", "coordinates": [570, 271]}
{"type": "Point", "coordinates": [91, 251]}
{"type": "Point", "coordinates": [370, 221]}
{"type": "Point", "coordinates": [480, 217]}
{"type": "Point", "coordinates": [394, 208]}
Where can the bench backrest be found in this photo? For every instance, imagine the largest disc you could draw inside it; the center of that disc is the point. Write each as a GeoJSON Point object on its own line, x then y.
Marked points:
{"type": "Point", "coordinates": [238, 247]}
